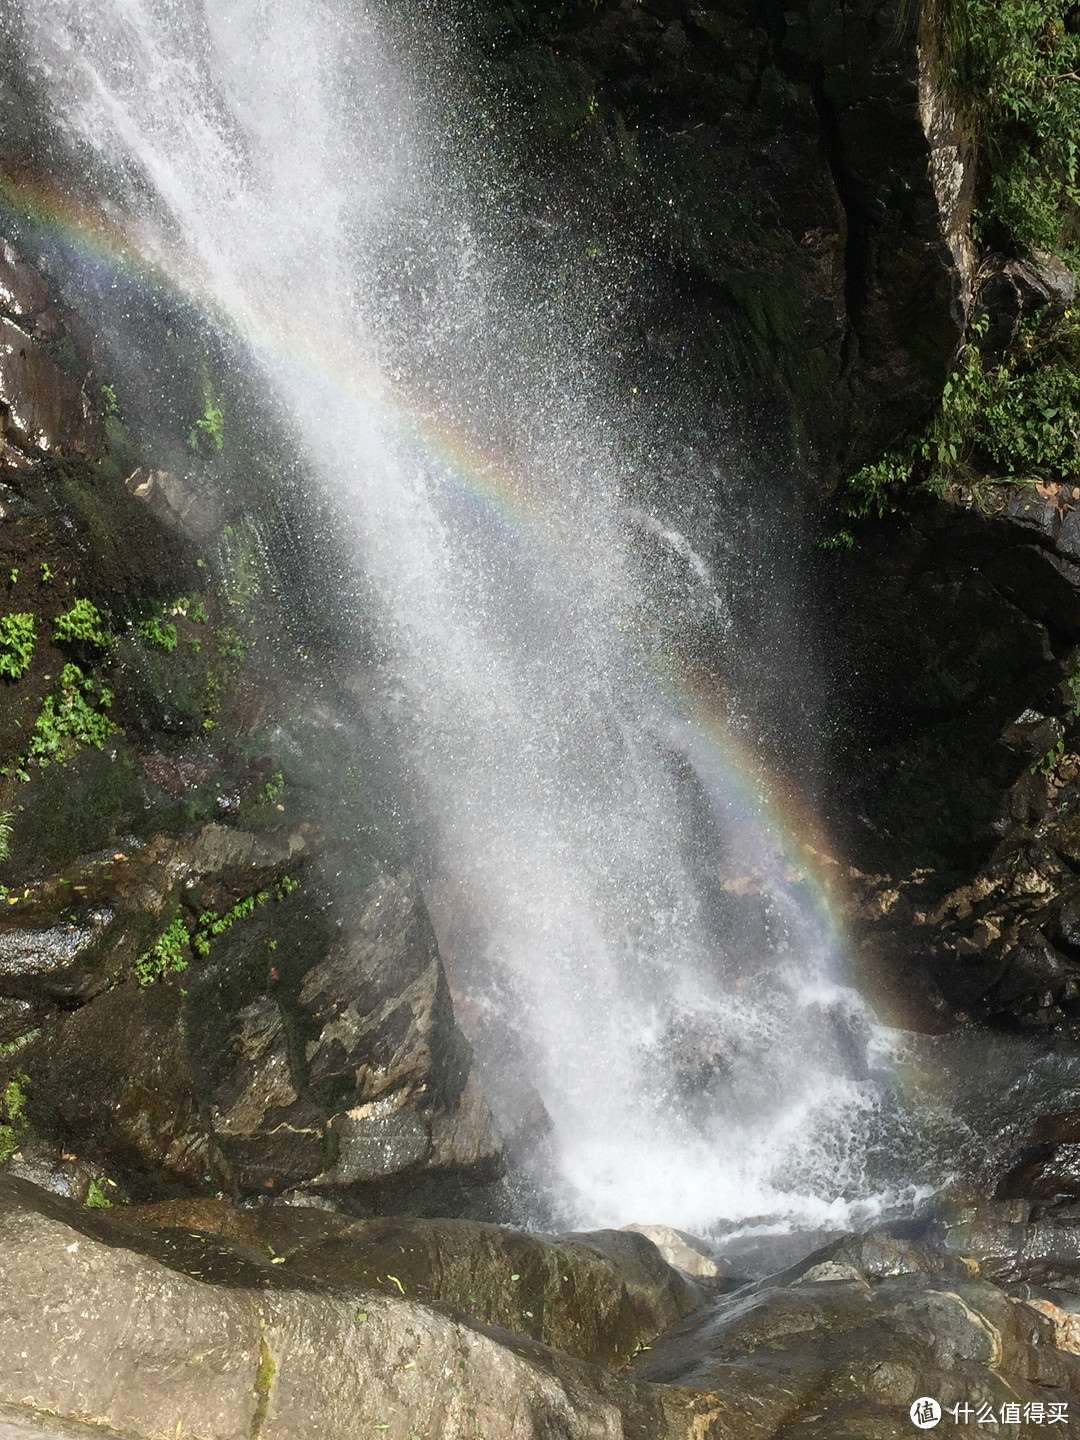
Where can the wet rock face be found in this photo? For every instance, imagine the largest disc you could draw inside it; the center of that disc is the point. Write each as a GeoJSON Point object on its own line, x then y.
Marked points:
{"type": "Point", "coordinates": [384, 1054]}
{"type": "Point", "coordinates": [945, 628]}
{"type": "Point", "coordinates": [45, 408]}
{"type": "Point", "coordinates": [378, 1001]}
{"type": "Point", "coordinates": [957, 765]}
{"type": "Point", "coordinates": [773, 163]}
{"type": "Point", "coordinates": [843, 1343]}
{"type": "Point", "coordinates": [103, 1329]}
{"type": "Point", "coordinates": [204, 1075]}
{"type": "Point", "coordinates": [596, 1296]}
{"type": "Point", "coordinates": [176, 1017]}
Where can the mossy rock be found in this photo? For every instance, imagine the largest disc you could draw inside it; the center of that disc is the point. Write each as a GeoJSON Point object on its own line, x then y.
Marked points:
{"type": "Point", "coordinates": [120, 549]}
{"type": "Point", "coordinates": [161, 692]}
{"type": "Point", "coordinates": [74, 807]}
{"type": "Point", "coordinates": [596, 1296]}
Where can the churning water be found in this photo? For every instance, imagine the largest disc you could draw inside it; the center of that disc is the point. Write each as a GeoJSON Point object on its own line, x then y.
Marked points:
{"type": "Point", "coordinates": [290, 168]}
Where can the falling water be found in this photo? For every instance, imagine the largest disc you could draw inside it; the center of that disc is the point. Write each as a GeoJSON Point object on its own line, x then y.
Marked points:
{"type": "Point", "coordinates": [696, 1051]}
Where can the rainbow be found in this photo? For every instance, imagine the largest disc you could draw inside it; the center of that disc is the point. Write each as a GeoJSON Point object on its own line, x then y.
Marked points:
{"type": "Point", "coordinates": [736, 772]}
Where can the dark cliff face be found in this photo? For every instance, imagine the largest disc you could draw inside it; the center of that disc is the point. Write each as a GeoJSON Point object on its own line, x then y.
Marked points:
{"type": "Point", "coordinates": [770, 166]}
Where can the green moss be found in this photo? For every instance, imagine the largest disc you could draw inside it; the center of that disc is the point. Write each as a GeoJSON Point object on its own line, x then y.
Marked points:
{"type": "Point", "coordinates": [12, 1114]}
{"type": "Point", "coordinates": [77, 807]}
{"type": "Point", "coordinates": [96, 1199]}
{"type": "Point", "coordinates": [242, 565]}
{"type": "Point", "coordinates": [17, 637]}
{"type": "Point", "coordinates": [12, 1047]}
{"type": "Point", "coordinates": [227, 662]}
{"type": "Point", "coordinates": [264, 1375]}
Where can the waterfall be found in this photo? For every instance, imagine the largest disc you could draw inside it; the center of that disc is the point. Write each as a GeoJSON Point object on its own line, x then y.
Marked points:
{"type": "Point", "coordinates": [289, 168]}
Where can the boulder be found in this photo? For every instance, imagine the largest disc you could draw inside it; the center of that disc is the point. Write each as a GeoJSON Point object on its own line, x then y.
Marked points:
{"type": "Point", "coordinates": [841, 1344]}
{"type": "Point", "coordinates": [384, 1055]}
{"type": "Point", "coordinates": [596, 1296]}
{"type": "Point", "coordinates": [680, 1250]}
{"type": "Point", "coordinates": [92, 1327]}
{"type": "Point", "coordinates": [1007, 290]}
{"type": "Point", "coordinates": [263, 1048]}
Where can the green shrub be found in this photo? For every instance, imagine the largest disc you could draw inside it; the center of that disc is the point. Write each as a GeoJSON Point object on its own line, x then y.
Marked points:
{"type": "Point", "coordinates": [210, 428]}
{"type": "Point", "coordinates": [81, 625]}
{"type": "Point", "coordinates": [73, 711]}
{"type": "Point", "coordinates": [1014, 64]}
{"type": "Point", "coordinates": [160, 632]}
{"type": "Point", "coordinates": [17, 636]}
{"type": "Point", "coordinates": [1014, 421]}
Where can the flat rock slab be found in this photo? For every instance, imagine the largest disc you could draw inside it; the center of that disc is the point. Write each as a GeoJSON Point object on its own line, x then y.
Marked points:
{"type": "Point", "coordinates": [92, 1331]}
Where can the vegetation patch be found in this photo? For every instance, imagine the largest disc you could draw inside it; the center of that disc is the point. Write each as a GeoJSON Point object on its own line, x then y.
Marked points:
{"type": "Point", "coordinates": [1015, 67]}
{"type": "Point", "coordinates": [1012, 421]}
{"type": "Point", "coordinates": [170, 954]}
{"type": "Point", "coordinates": [17, 637]}
{"type": "Point", "coordinates": [161, 633]}
{"type": "Point", "coordinates": [228, 661]}
{"type": "Point", "coordinates": [168, 957]}
{"type": "Point", "coordinates": [96, 1198]}
{"type": "Point", "coordinates": [81, 625]}
{"type": "Point", "coordinates": [1011, 417]}
{"type": "Point", "coordinates": [209, 430]}
{"type": "Point", "coordinates": [210, 924]}
{"type": "Point", "coordinates": [74, 713]}
{"type": "Point", "coordinates": [12, 1114]}
{"type": "Point", "coordinates": [191, 607]}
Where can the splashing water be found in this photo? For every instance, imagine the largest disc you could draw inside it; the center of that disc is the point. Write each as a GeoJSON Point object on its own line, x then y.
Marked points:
{"type": "Point", "coordinates": [693, 1046]}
